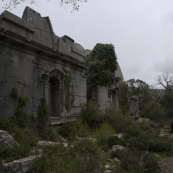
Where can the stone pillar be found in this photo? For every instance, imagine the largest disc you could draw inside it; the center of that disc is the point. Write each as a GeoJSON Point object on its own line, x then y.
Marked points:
{"type": "Point", "coordinates": [46, 92]}
{"type": "Point", "coordinates": [115, 102]}
{"type": "Point", "coordinates": [45, 86]}
{"type": "Point", "coordinates": [133, 106]}
{"type": "Point", "coordinates": [114, 91]}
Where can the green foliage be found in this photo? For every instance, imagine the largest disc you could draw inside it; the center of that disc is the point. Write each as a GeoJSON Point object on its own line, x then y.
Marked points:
{"type": "Point", "coordinates": [74, 129]}
{"type": "Point", "coordinates": [141, 89]}
{"type": "Point", "coordinates": [26, 140]}
{"type": "Point", "coordinates": [123, 97]}
{"type": "Point", "coordinates": [137, 162]}
{"type": "Point", "coordinates": [102, 63]}
{"type": "Point", "coordinates": [92, 115]}
{"type": "Point", "coordinates": [84, 157]}
{"type": "Point", "coordinates": [103, 134]}
{"type": "Point", "coordinates": [7, 124]}
{"type": "Point", "coordinates": [161, 144]}
{"type": "Point", "coordinates": [54, 159]}
{"type": "Point", "coordinates": [150, 163]}
{"type": "Point", "coordinates": [114, 140]}
{"type": "Point", "coordinates": [20, 117]}
{"type": "Point", "coordinates": [86, 147]}
{"type": "Point", "coordinates": [67, 96]}
{"type": "Point", "coordinates": [43, 113]}
{"type": "Point", "coordinates": [48, 134]}
{"type": "Point", "coordinates": [167, 101]}
{"type": "Point", "coordinates": [13, 153]}
{"type": "Point", "coordinates": [155, 112]}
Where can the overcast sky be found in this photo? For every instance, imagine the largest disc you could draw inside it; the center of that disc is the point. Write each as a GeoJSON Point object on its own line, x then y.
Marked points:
{"type": "Point", "coordinates": [140, 30]}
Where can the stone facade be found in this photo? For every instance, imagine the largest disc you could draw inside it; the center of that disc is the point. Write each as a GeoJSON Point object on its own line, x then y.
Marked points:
{"type": "Point", "coordinates": [105, 96]}
{"type": "Point", "coordinates": [35, 61]}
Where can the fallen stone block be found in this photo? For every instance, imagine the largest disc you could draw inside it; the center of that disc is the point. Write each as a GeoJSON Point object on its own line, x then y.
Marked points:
{"type": "Point", "coordinates": [6, 139]}
{"type": "Point", "coordinates": [117, 148]}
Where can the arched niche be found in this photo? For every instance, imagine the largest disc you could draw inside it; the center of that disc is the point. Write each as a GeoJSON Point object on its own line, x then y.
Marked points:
{"type": "Point", "coordinates": [52, 85]}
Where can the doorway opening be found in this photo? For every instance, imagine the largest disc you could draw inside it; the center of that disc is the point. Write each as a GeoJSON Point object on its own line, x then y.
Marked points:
{"type": "Point", "coordinates": [54, 97]}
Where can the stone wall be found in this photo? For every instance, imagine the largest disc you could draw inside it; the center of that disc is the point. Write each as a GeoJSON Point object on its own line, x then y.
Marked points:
{"type": "Point", "coordinates": [35, 61]}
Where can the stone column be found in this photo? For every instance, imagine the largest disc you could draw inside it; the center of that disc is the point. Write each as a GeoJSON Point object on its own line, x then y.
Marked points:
{"type": "Point", "coordinates": [133, 106]}
{"type": "Point", "coordinates": [115, 102]}
{"type": "Point", "coordinates": [46, 92]}
{"type": "Point", "coordinates": [45, 86]}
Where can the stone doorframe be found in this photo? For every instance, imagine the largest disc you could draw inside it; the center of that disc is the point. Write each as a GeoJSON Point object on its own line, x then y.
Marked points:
{"type": "Point", "coordinates": [54, 72]}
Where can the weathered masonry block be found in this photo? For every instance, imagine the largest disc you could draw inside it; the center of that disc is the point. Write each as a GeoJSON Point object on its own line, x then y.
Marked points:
{"type": "Point", "coordinates": [36, 62]}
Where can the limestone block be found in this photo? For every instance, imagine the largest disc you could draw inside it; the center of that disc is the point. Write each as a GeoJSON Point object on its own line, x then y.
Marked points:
{"type": "Point", "coordinates": [133, 106]}
{"type": "Point", "coordinates": [19, 166]}
{"type": "Point", "coordinates": [6, 139]}
{"type": "Point", "coordinates": [141, 120]}
{"type": "Point", "coordinates": [117, 148]}
{"type": "Point", "coordinates": [120, 135]}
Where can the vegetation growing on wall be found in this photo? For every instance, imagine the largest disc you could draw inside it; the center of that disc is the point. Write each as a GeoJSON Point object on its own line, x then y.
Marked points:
{"type": "Point", "coordinates": [67, 96]}
{"type": "Point", "coordinates": [43, 113]}
{"type": "Point", "coordinates": [20, 116]}
{"type": "Point", "coordinates": [102, 63]}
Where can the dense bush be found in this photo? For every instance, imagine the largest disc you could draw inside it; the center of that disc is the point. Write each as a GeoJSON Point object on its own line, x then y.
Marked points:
{"type": "Point", "coordinates": [102, 134]}
{"type": "Point", "coordinates": [92, 115]}
{"type": "Point", "coordinates": [84, 157]}
{"type": "Point", "coordinates": [74, 129]}
{"type": "Point", "coordinates": [43, 113]}
{"type": "Point", "coordinates": [13, 153]}
{"type": "Point", "coordinates": [134, 161]}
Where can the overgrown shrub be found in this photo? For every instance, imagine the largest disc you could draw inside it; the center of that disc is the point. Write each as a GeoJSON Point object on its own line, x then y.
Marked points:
{"type": "Point", "coordinates": [161, 144]}
{"type": "Point", "coordinates": [134, 161]}
{"type": "Point", "coordinates": [74, 129]}
{"type": "Point", "coordinates": [48, 134]}
{"type": "Point", "coordinates": [13, 153]}
{"type": "Point", "coordinates": [92, 115]}
{"type": "Point", "coordinates": [85, 147]}
{"type": "Point", "coordinates": [7, 124]}
{"type": "Point", "coordinates": [103, 134]}
{"type": "Point", "coordinates": [43, 113]}
{"type": "Point", "coordinates": [84, 157]}
{"type": "Point", "coordinates": [150, 163]}
{"type": "Point", "coordinates": [154, 111]}
{"type": "Point", "coordinates": [114, 140]}
{"type": "Point", "coordinates": [20, 117]}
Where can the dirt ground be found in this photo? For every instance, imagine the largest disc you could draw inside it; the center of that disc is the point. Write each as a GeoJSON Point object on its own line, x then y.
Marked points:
{"type": "Point", "coordinates": [167, 165]}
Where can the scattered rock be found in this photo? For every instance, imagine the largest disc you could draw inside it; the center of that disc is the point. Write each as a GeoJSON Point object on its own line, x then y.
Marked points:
{"type": "Point", "coordinates": [116, 159]}
{"type": "Point", "coordinates": [47, 143]}
{"type": "Point", "coordinates": [18, 166]}
{"type": "Point", "coordinates": [107, 171]}
{"type": "Point", "coordinates": [143, 120]}
{"type": "Point", "coordinates": [107, 167]}
{"type": "Point", "coordinates": [120, 135]}
{"type": "Point", "coordinates": [117, 148]}
{"type": "Point", "coordinates": [6, 139]}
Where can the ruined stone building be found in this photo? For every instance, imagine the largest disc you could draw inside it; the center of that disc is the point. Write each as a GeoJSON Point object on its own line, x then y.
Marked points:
{"type": "Point", "coordinates": [39, 64]}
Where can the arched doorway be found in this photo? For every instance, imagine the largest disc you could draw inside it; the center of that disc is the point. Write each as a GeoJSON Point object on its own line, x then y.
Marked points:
{"type": "Point", "coordinates": [54, 97]}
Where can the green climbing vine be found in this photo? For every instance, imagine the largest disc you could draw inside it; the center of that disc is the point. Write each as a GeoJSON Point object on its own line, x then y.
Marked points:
{"type": "Point", "coordinates": [43, 113]}
{"type": "Point", "coordinates": [20, 116]}
{"type": "Point", "coordinates": [67, 96]}
{"type": "Point", "coordinates": [102, 63]}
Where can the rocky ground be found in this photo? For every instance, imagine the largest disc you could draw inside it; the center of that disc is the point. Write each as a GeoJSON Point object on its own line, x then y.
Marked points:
{"type": "Point", "coordinates": [167, 165]}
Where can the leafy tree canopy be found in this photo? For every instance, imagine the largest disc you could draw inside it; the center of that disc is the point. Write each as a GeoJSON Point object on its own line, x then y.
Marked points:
{"type": "Point", "coordinates": [102, 63]}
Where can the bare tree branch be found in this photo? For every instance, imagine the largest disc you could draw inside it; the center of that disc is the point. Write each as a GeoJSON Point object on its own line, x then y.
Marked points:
{"type": "Point", "coordinates": [165, 80]}
{"type": "Point", "coordinates": [14, 3]}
